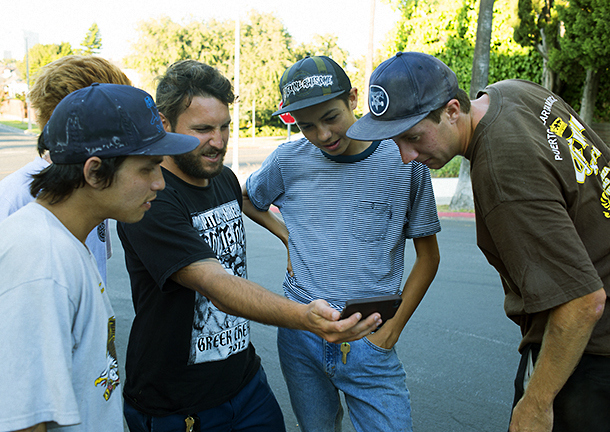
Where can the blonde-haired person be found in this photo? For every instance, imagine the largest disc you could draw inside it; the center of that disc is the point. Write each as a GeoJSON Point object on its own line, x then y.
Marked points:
{"type": "Point", "coordinates": [56, 81]}
{"type": "Point", "coordinates": [67, 74]}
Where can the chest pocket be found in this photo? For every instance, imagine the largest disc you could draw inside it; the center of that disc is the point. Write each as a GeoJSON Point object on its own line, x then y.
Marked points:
{"type": "Point", "coordinates": [371, 220]}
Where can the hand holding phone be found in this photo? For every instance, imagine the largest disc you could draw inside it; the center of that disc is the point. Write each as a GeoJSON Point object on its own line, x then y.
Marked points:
{"type": "Point", "coordinates": [386, 305]}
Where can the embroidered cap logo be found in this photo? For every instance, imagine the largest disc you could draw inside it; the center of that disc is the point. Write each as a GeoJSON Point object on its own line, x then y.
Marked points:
{"type": "Point", "coordinates": [307, 83]}
{"type": "Point", "coordinates": [379, 101]}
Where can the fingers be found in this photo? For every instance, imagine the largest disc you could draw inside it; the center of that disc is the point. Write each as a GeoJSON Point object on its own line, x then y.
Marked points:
{"type": "Point", "coordinates": [353, 328]}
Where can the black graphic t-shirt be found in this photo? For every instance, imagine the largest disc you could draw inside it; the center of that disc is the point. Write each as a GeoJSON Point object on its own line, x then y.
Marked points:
{"type": "Point", "coordinates": [184, 354]}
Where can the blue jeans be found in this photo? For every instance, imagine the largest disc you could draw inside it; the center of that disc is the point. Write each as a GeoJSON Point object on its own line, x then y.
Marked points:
{"type": "Point", "coordinates": [373, 382]}
{"type": "Point", "coordinates": [254, 409]}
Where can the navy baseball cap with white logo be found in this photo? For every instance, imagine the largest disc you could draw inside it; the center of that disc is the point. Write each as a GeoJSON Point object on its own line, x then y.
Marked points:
{"type": "Point", "coordinates": [311, 81]}
{"type": "Point", "coordinates": [403, 90]}
{"type": "Point", "coordinates": [110, 120]}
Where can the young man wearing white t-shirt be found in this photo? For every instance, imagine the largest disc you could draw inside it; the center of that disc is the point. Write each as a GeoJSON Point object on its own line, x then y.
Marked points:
{"type": "Point", "coordinates": [60, 367]}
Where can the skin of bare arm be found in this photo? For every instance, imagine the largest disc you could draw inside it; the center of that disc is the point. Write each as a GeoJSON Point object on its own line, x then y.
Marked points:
{"type": "Point", "coordinates": [267, 220]}
{"type": "Point", "coordinates": [567, 332]}
{"type": "Point", "coordinates": [40, 427]}
{"type": "Point", "coordinates": [241, 297]}
{"type": "Point", "coordinates": [421, 276]}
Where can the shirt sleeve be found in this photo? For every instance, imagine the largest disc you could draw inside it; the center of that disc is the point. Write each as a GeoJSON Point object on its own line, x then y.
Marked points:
{"type": "Point", "coordinates": [36, 356]}
{"type": "Point", "coordinates": [164, 241]}
{"type": "Point", "coordinates": [266, 185]}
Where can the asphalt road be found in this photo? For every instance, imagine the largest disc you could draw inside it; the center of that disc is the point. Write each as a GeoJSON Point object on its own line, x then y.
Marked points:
{"type": "Point", "coordinates": [459, 349]}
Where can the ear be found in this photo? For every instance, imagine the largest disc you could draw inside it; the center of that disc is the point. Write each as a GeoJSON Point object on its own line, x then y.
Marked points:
{"type": "Point", "coordinates": [353, 98]}
{"type": "Point", "coordinates": [92, 165]}
{"type": "Point", "coordinates": [453, 110]}
{"type": "Point", "coordinates": [165, 122]}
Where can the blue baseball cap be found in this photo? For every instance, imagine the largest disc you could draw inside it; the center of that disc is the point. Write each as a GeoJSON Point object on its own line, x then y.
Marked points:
{"type": "Point", "coordinates": [403, 90]}
{"type": "Point", "coordinates": [311, 81]}
{"type": "Point", "coordinates": [110, 120]}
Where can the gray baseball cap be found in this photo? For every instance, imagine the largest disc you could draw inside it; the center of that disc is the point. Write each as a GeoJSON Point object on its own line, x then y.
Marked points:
{"type": "Point", "coordinates": [403, 90]}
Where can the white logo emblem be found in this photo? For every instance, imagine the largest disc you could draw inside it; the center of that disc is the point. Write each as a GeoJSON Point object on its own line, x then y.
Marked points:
{"type": "Point", "coordinates": [378, 100]}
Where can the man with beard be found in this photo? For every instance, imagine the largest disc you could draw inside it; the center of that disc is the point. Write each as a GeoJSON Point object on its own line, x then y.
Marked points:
{"type": "Point", "coordinates": [189, 359]}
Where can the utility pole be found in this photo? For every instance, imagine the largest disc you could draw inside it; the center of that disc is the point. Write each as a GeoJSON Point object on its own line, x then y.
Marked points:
{"type": "Point", "coordinates": [235, 166]}
{"type": "Point", "coordinates": [27, 74]}
{"type": "Point", "coordinates": [369, 58]}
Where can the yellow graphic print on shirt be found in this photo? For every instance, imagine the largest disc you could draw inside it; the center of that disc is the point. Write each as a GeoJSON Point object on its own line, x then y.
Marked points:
{"type": "Point", "coordinates": [110, 376]}
{"type": "Point", "coordinates": [573, 133]}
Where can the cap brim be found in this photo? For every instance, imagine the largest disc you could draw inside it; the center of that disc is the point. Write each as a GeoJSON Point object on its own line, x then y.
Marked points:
{"type": "Point", "coordinates": [369, 128]}
{"type": "Point", "coordinates": [304, 103]}
{"type": "Point", "coordinates": [169, 144]}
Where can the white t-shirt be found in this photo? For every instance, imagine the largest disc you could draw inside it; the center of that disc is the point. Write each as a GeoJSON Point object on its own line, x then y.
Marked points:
{"type": "Point", "coordinates": [57, 334]}
{"type": "Point", "coordinates": [15, 193]}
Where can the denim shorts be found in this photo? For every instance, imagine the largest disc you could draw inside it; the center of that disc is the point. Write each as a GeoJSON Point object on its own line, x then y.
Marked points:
{"type": "Point", "coordinates": [254, 409]}
{"type": "Point", "coordinates": [373, 381]}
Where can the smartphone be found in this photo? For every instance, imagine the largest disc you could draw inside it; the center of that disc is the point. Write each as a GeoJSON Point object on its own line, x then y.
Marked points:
{"type": "Point", "coordinates": [386, 305]}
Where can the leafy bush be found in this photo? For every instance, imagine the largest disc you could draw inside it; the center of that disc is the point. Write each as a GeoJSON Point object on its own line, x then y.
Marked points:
{"type": "Point", "coordinates": [452, 169]}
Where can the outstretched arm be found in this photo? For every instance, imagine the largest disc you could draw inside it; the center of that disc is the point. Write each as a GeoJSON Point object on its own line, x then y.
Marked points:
{"type": "Point", "coordinates": [241, 297]}
{"type": "Point", "coordinates": [421, 276]}
{"type": "Point", "coordinates": [567, 333]}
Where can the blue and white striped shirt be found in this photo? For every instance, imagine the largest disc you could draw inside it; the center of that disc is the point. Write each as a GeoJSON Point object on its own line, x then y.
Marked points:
{"type": "Point", "coordinates": [348, 217]}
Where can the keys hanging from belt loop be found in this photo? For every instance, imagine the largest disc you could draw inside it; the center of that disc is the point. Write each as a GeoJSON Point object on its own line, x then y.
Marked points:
{"type": "Point", "coordinates": [345, 348]}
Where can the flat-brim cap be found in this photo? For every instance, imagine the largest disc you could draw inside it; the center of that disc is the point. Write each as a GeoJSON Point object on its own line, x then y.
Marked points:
{"type": "Point", "coordinates": [403, 90]}
{"type": "Point", "coordinates": [110, 120]}
{"type": "Point", "coordinates": [312, 81]}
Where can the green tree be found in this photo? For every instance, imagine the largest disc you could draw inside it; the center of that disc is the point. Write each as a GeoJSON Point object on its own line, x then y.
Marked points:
{"type": "Point", "coordinates": [463, 197]}
{"type": "Point", "coordinates": [571, 36]}
{"type": "Point", "coordinates": [265, 54]}
{"type": "Point", "coordinates": [583, 45]}
{"type": "Point", "coordinates": [538, 27]}
{"type": "Point", "coordinates": [161, 42]}
{"type": "Point", "coordinates": [92, 42]}
{"type": "Point", "coordinates": [40, 55]}
{"type": "Point", "coordinates": [447, 30]}
{"type": "Point", "coordinates": [326, 45]}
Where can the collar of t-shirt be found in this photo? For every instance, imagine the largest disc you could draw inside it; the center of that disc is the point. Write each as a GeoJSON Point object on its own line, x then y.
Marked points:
{"type": "Point", "coordinates": [354, 158]}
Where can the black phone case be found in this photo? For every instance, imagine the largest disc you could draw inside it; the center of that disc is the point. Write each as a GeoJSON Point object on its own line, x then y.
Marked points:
{"type": "Point", "coordinates": [385, 305]}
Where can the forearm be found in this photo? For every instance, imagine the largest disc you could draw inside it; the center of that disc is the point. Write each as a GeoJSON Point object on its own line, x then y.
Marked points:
{"type": "Point", "coordinates": [240, 297]}
{"type": "Point", "coordinates": [566, 335]}
{"type": "Point", "coordinates": [421, 276]}
{"type": "Point", "coordinates": [417, 284]}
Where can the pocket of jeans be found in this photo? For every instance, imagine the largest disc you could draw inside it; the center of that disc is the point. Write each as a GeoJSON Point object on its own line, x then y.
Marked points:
{"type": "Point", "coordinates": [374, 347]}
{"type": "Point", "coordinates": [371, 220]}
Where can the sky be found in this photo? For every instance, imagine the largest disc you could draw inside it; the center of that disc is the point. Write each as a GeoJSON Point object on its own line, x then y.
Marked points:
{"type": "Point", "coordinates": [55, 21]}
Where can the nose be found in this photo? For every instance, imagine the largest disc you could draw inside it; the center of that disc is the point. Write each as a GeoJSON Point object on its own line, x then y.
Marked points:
{"type": "Point", "coordinates": [324, 134]}
{"type": "Point", "coordinates": [158, 182]}
{"type": "Point", "coordinates": [217, 140]}
{"type": "Point", "coordinates": [407, 152]}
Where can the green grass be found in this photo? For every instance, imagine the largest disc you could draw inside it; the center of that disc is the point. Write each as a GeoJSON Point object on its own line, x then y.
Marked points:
{"type": "Point", "coordinates": [21, 125]}
{"type": "Point", "coordinates": [445, 208]}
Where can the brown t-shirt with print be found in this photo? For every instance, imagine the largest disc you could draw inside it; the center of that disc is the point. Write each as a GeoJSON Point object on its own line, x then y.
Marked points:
{"type": "Point", "coordinates": [541, 183]}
